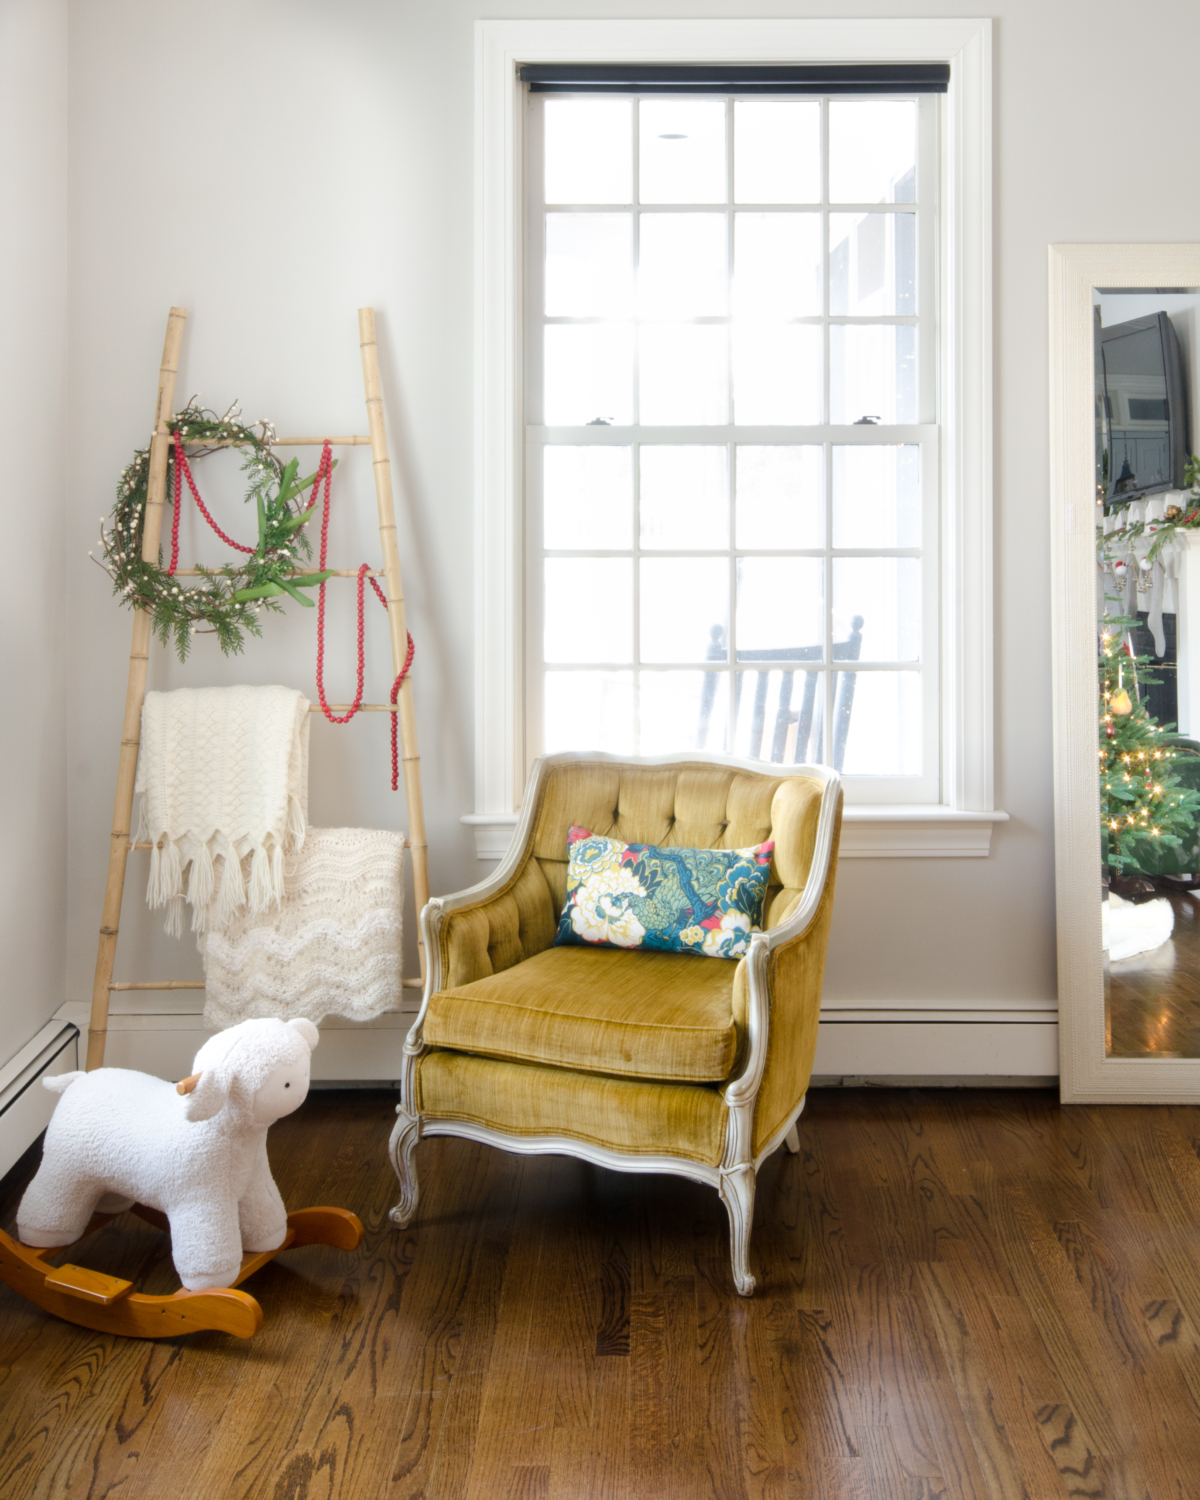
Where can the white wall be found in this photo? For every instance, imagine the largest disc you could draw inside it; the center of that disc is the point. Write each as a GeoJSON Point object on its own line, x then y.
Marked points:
{"type": "Point", "coordinates": [271, 165]}
{"type": "Point", "coordinates": [34, 679]}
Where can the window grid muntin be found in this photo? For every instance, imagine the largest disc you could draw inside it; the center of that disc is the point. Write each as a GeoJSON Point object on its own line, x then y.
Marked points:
{"type": "Point", "coordinates": [732, 435]}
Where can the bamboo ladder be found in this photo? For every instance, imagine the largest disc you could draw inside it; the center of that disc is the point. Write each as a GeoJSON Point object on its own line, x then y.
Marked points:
{"type": "Point", "coordinates": [139, 655]}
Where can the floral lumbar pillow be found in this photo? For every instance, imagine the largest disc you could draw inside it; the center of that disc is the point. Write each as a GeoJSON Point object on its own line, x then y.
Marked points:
{"type": "Point", "coordinates": [705, 901]}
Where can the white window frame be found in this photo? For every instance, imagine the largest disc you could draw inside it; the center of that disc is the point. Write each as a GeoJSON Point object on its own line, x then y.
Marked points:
{"type": "Point", "coordinates": [960, 823]}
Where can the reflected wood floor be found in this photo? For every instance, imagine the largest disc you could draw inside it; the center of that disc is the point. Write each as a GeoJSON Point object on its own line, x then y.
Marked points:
{"type": "Point", "coordinates": [1152, 1002]}
{"type": "Point", "coordinates": [964, 1295]}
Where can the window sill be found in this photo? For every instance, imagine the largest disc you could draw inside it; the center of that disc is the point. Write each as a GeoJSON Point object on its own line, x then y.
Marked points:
{"type": "Point", "coordinates": [883, 832]}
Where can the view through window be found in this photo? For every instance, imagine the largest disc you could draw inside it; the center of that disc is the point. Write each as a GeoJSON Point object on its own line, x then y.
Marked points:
{"type": "Point", "coordinates": [732, 443]}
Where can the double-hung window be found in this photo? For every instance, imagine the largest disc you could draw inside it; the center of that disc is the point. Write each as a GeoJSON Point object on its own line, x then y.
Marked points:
{"type": "Point", "coordinates": [733, 408]}
{"type": "Point", "coordinates": [731, 412]}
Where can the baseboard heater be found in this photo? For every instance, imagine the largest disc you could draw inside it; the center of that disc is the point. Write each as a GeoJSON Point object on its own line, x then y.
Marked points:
{"type": "Point", "coordinates": [25, 1109]}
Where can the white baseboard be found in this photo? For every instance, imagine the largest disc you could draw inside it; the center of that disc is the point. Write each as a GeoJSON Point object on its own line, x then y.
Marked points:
{"type": "Point", "coordinates": [942, 1048]}
{"type": "Point", "coordinates": [164, 1043]}
{"type": "Point", "coordinates": [26, 1107]}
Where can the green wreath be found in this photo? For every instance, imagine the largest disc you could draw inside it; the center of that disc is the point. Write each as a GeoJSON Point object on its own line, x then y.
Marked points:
{"type": "Point", "coordinates": [230, 598]}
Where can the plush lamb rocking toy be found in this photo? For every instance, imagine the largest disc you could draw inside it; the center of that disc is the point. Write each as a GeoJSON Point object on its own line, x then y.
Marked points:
{"type": "Point", "coordinates": [191, 1156]}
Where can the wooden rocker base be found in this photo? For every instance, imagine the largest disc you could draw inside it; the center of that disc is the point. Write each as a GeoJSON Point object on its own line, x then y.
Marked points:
{"type": "Point", "coordinates": [109, 1305]}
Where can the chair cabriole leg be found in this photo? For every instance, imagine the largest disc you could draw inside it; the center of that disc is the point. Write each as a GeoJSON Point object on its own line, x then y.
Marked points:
{"type": "Point", "coordinates": [792, 1140]}
{"type": "Point", "coordinates": [405, 1135]}
{"type": "Point", "coordinates": [737, 1194]}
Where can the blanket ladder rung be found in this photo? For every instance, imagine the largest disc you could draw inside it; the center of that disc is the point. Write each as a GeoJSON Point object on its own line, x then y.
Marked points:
{"type": "Point", "coordinates": [198, 984]}
{"type": "Point", "coordinates": [296, 572]}
{"type": "Point", "coordinates": [354, 441]}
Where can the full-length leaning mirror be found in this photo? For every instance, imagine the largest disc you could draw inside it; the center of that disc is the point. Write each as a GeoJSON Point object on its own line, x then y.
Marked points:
{"type": "Point", "coordinates": [1125, 382]}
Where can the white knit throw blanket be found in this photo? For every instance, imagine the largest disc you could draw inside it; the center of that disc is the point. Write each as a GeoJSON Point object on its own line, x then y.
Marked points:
{"type": "Point", "coordinates": [223, 774]}
{"type": "Point", "coordinates": [333, 948]}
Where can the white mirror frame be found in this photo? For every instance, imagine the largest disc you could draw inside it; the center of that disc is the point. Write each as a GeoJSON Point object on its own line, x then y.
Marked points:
{"type": "Point", "coordinates": [1086, 1074]}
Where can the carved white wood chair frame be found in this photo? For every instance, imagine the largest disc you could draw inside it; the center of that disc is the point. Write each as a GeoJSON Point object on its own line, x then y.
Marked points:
{"type": "Point", "coordinates": [734, 1178]}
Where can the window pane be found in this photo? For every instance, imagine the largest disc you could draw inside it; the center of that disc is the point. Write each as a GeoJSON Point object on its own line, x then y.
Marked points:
{"type": "Point", "coordinates": [876, 495]}
{"type": "Point", "coordinates": [777, 265]}
{"type": "Point", "coordinates": [587, 499]}
{"type": "Point", "coordinates": [776, 152]}
{"type": "Point", "coordinates": [873, 151]}
{"type": "Point", "coordinates": [685, 498]}
{"type": "Point", "coordinates": [777, 374]}
{"type": "Point", "coordinates": [780, 497]}
{"type": "Point", "coordinates": [877, 718]}
{"type": "Point", "coordinates": [873, 264]}
{"type": "Point", "coordinates": [589, 265]}
{"type": "Point", "coordinates": [873, 372]}
{"type": "Point", "coordinates": [780, 608]}
{"type": "Point", "coordinates": [589, 151]}
{"type": "Point", "coordinates": [588, 374]}
{"type": "Point", "coordinates": [684, 377]}
{"type": "Point", "coordinates": [682, 271]}
{"type": "Point", "coordinates": [589, 609]}
{"type": "Point", "coordinates": [589, 711]}
{"type": "Point", "coordinates": [780, 715]}
{"type": "Point", "coordinates": [682, 151]}
{"type": "Point", "coordinates": [683, 601]}
{"type": "Point", "coordinates": [682, 711]}
{"type": "Point", "coordinates": [881, 598]}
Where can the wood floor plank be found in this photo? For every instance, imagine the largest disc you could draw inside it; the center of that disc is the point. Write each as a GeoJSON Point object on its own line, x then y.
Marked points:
{"type": "Point", "coordinates": [968, 1375]}
{"type": "Point", "coordinates": [596, 1460]}
{"type": "Point", "coordinates": [649, 1439]}
{"type": "Point", "coordinates": [761, 1418]}
{"type": "Point", "coordinates": [958, 1461]}
{"type": "Point", "coordinates": [514, 1443]}
{"type": "Point", "coordinates": [735, 1442]}
{"type": "Point", "coordinates": [894, 1365]}
{"type": "Point", "coordinates": [890, 1476]}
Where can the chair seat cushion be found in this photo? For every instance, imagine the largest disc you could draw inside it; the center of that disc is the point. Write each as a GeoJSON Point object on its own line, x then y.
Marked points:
{"type": "Point", "coordinates": [603, 1010]}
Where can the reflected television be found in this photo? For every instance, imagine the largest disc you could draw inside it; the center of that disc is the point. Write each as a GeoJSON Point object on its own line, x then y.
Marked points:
{"type": "Point", "coordinates": [1142, 436]}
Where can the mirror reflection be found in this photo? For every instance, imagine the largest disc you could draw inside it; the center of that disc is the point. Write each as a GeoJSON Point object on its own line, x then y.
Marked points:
{"type": "Point", "coordinates": [1148, 642]}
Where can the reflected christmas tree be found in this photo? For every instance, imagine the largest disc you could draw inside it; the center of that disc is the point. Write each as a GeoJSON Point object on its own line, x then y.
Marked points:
{"type": "Point", "coordinates": [1144, 804]}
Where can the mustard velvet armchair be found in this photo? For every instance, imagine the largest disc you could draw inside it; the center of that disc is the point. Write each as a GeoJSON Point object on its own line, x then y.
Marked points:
{"type": "Point", "coordinates": [631, 1059]}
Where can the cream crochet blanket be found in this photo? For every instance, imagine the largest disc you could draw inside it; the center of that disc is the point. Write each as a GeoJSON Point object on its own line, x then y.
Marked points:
{"type": "Point", "coordinates": [223, 774]}
{"type": "Point", "coordinates": [332, 949]}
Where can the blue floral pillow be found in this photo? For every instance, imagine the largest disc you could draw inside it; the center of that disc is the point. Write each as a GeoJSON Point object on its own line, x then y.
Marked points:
{"type": "Point", "coordinates": [705, 901]}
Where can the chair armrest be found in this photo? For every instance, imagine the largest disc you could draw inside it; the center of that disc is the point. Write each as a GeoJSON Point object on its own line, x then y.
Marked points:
{"type": "Point", "coordinates": [785, 969]}
{"type": "Point", "coordinates": [459, 930]}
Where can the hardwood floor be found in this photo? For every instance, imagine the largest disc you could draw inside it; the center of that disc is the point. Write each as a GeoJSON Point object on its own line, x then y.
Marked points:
{"type": "Point", "coordinates": [1152, 1002]}
{"type": "Point", "coordinates": [963, 1296]}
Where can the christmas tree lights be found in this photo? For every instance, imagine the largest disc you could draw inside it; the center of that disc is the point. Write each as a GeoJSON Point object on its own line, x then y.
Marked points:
{"type": "Point", "coordinates": [1143, 802]}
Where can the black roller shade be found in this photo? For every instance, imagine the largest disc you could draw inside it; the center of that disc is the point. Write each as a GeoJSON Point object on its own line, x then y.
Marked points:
{"type": "Point", "coordinates": [712, 78]}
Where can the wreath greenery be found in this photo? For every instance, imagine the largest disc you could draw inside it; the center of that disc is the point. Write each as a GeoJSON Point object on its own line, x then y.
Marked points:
{"type": "Point", "coordinates": [228, 599]}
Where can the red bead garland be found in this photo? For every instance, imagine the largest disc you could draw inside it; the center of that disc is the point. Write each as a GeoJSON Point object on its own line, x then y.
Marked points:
{"type": "Point", "coordinates": [182, 472]}
{"type": "Point", "coordinates": [324, 472]}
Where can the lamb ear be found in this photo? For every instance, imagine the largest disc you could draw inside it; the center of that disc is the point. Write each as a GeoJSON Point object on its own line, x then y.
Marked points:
{"type": "Point", "coordinates": [308, 1031]}
{"type": "Point", "coordinates": [209, 1095]}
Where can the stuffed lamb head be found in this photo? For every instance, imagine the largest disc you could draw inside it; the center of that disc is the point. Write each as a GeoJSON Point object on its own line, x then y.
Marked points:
{"type": "Point", "coordinates": [257, 1071]}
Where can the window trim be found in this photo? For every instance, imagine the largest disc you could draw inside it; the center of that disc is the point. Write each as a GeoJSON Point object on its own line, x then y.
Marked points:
{"type": "Point", "coordinates": [961, 824]}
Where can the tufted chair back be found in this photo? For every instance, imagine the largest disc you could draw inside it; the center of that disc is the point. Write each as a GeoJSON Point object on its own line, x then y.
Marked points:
{"type": "Point", "coordinates": [688, 805]}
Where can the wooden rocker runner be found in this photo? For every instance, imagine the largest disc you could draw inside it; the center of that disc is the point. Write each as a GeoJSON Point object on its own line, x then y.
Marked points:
{"type": "Point", "coordinates": [108, 1304]}
{"type": "Point", "coordinates": [103, 984]}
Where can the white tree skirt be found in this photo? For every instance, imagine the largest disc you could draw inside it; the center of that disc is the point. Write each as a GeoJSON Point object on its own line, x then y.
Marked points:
{"type": "Point", "coordinates": [1130, 930]}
